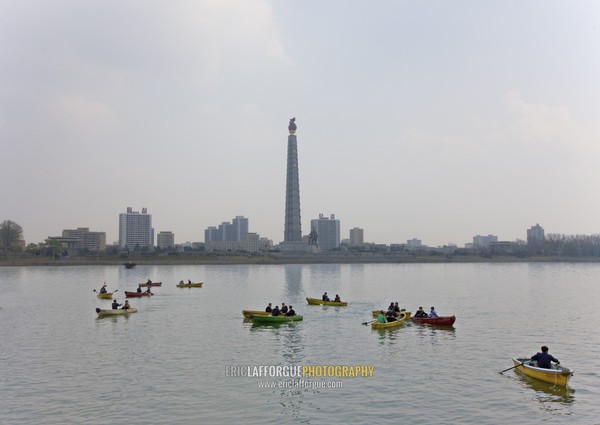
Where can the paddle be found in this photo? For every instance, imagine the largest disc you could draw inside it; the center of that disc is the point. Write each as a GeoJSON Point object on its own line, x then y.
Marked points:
{"type": "Point", "coordinates": [506, 370]}
{"type": "Point", "coordinates": [366, 323]}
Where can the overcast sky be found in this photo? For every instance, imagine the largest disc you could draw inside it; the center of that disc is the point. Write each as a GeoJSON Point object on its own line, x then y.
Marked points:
{"type": "Point", "coordinates": [436, 120]}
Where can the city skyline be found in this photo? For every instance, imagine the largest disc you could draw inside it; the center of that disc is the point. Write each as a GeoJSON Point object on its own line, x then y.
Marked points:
{"type": "Point", "coordinates": [432, 121]}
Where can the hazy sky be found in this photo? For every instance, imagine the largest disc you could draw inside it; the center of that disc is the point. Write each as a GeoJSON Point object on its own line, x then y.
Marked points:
{"type": "Point", "coordinates": [436, 120]}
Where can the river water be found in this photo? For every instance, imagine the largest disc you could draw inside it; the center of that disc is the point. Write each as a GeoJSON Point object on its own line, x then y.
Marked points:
{"type": "Point", "coordinates": [170, 362]}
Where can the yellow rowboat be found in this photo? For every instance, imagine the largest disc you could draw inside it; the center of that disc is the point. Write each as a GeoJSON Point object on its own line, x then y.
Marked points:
{"type": "Point", "coordinates": [316, 301]}
{"type": "Point", "coordinates": [557, 375]}
{"type": "Point", "coordinates": [249, 313]}
{"type": "Point", "coordinates": [403, 317]}
{"type": "Point", "coordinates": [117, 312]}
{"type": "Point", "coordinates": [190, 285]}
{"type": "Point", "coordinates": [106, 295]}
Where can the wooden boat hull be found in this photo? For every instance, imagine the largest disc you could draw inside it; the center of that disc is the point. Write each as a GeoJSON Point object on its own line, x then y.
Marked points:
{"type": "Point", "coordinates": [276, 319]}
{"type": "Point", "coordinates": [137, 294]}
{"type": "Point", "coordinates": [439, 321]}
{"type": "Point", "coordinates": [190, 285]}
{"type": "Point", "coordinates": [404, 316]}
{"type": "Point", "coordinates": [107, 296]}
{"type": "Point", "coordinates": [249, 313]}
{"type": "Point", "coordinates": [145, 285]}
{"type": "Point", "coordinates": [558, 375]}
{"type": "Point", "coordinates": [118, 312]}
{"type": "Point", "coordinates": [316, 301]}
{"type": "Point", "coordinates": [129, 265]}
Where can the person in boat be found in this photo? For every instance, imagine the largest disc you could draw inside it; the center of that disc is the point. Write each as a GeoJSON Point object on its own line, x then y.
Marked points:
{"type": "Point", "coordinates": [432, 313]}
{"type": "Point", "coordinates": [396, 307]}
{"type": "Point", "coordinates": [391, 315]}
{"type": "Point", "coordinates": [325, 297]}
{"type": "Point", "coordinates": [276, 311]}
{"type": "Point", "coordinates": [284, 308]}
{"type": "Point", "coordinates": [181, 282]}
{"type": "Point", "coordinates": [189, 281]}
{"type": "Point", "coordinates": [103, 289]}
{"type": "Point", "coordinates": [149, 281]}
{"type": "Point", "coordinates": [290, 312]}
{"type": "Point", "coordinates": [126, 306]}
{"type": "Point", "coordinates": [420, 313]}
{"type": "Point", "coordinates": [139, 290]}
{"type": "Point", "coordinates": [381, 317]}
{"type": "Point", "coordinates": [269, 309]}
{"type": "Point", "coordinates": [337, 299]}
{"type": "Point", "coordinates": [544, 359]}
{"type": "Point", "coordinates": [148, 290]}
{"type": "Point", "coordinates": [115, 305]}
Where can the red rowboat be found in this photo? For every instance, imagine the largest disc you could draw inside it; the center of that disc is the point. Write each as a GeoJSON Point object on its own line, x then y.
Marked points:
{"type": "Point", "coordinates": [145, 285]}
{"type": "Point", "coordinates": [441, 320]}
{"type": "Point", "coordinates": [137, 294]}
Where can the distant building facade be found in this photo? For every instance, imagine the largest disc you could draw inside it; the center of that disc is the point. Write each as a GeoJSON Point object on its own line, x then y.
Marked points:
{"type": "Point", "coordinates": [535, 235]}
{"type": "Point", "coordinates": [165, 240]}
{"type": "Point", "coordinates": [251, 242]}
{"type": "Point", "coordinates": [328, 231]}
{"type": "Point", "coordinates": [234, 231]}
{"type": "Point", "coordinates": [413, 243]}
{"type": "Point", "coordinates": [135, 229]}
{"type": "Point", "coordinates": [484, 241]}
{"type": "Point", "coordinates": [92, 241]}
{"type": "Point", "coordinates": [357, 237]}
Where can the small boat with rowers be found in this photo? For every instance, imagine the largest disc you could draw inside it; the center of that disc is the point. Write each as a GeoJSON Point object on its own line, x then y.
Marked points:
{"type": "Point", "coordinates": [189, 285]}
{"type": "Point", "coordinates": [275, 319]}
{"type": "Point", "coordinates": [130, 294]}
{"type": "Point", "coordinates": [402, 318]}
{"type": "Point", "coordinates": [147, 284]}
{"type": "Point", "coordinates": [437, 321]}
{"type": "Point", "coordinates": [248, 314]}
{"type": "Point", "coordinates": [115, 312]}
{"type": "Point", "coordinates": [557, 374]}
{"type": "Point", "coordinates": [317, 301]}
{"type": "Point", "coordinates": [105, 295]}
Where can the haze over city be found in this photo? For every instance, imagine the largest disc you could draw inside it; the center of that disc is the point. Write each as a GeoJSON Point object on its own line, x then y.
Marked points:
{"type": "Point", "coordinates": [429, 120]}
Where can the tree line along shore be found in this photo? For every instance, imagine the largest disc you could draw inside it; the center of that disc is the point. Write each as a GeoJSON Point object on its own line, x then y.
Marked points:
{"type": "Point", "coordinates": [275, 259]}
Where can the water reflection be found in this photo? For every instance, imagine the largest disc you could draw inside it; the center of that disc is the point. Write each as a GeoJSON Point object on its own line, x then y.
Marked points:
{"type": "Point", "coordinates": [546, 392]}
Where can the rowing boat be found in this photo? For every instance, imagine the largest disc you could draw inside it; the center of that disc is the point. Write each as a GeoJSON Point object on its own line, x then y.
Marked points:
{"type": "Point", "coordinates": [389, 325]}
{"type": "Point", "coordinates": [146, 284]}
{"type": "Point", "coordinates": [376, 312]}
{"type": "Point", "coordinates": [557, 375]}
{"type": "Point", "coordinates": [276, 319]}
{"type": "Point", "coordinates": [249, 313]}
{"type": "Point", "coordinates": [316, 301]}
{"type": "Point", "coordinates": [117, 312]}
{"type": "Point", "coordinates": [129, 294]}
{"type": "Point", "coordinates": [439, 321]}
{"type": "Point", "coordinates": [190, 285]}
{"type": "Point", "coordinates": [105, 296]}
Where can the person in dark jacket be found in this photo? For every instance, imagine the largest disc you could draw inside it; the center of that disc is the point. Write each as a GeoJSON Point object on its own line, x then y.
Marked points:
{"type": "Point", "coordinates": [291, 312]}
{"type": "Point", "coordinates": [544, 359]}
{"type": "Point", "coordinates": [325, 297]}
{"type": "Point", "coordinates": [269, 309]}
{"type": "Point", "coordinates": [115, 305]}
{"type": "Point", "coordinates": [284, 308]}
{"type": "Point", "coordinates": [139, 290]}
{"type": "Point", "coordinates": [420, 313]}
{"type": "Point", "coordinates": [276, 311]}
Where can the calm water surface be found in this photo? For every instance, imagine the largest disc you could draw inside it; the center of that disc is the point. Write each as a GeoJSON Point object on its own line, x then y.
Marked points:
{"type": "Point", "coordinates": [167, 363]}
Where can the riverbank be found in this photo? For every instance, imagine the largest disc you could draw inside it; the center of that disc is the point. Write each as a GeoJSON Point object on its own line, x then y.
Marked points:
{"type": "Point", "coordinates": [280, 259]}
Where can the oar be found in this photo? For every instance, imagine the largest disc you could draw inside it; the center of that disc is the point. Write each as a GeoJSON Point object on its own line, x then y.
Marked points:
{"type": "Point", "coordinates": [506, 370]}
{"type": "Point", "coordinates": [366, 323]}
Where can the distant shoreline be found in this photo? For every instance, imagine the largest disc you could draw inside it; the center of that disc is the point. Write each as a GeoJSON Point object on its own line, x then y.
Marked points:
{"type": "Point", "coordinates": [281, 259]}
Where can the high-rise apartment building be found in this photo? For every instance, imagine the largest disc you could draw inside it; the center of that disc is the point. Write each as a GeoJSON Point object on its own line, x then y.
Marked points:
{"type": "Point", "coordinates": [135, 229]}
{"type": "Point", "coordinates": [484, 241]}
{"type": "Point", "coordinates": [357, 237]}
{"type": "Point", "coordinates": [328, 231]}
{"type": "Point", "coordinates": [535, 235]}
{"type": "Point", "coordinates": [230, 232]}
{"type": "Point", "coordinates": [239, 228]}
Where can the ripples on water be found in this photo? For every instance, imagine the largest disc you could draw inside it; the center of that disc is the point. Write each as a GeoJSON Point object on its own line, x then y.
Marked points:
{"type": "Point", "coordinates": [166, 364]}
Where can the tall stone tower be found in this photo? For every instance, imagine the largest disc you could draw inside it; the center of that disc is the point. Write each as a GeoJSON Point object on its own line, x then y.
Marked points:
{"type": "Point", "coordinates": [292, 238]}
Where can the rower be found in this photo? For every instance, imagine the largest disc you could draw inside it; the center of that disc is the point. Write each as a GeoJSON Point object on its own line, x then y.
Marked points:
{"type": "Point", "coordinates": [337, 299]}
{"type": "Point", "coordinates": [420, 313]}
{"type": "Point", "coordinates": [391, 315]}
{"type": "Point", "coordinates": [381, 317]}
{"type": "Point", "coordinates": [103, 289]}
{"type": "Point", "coordinates": [284, 308]}
{"type": "Point", "coordinates": [291, 312]}
{"type": "Point", "coordinates": [139, 290]}
{"type": "Point", "coordinates": [325, 297]}
{"type": "Point", "coordinates": [115, 305]}
{"type": "Point", "coordinates": [276, 311]}
{"type": "Point", "coordinates": [269, 309]}
{"type": "Point", "coordinates": [126, 306]}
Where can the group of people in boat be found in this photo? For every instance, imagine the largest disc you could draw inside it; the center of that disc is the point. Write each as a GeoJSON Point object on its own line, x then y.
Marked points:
{"type": "Point", "coordinates": [325, 297]}
{"type": "Point", "coordinates": [116, 305]}
{"type": "Point", "coordinates": [283, 311]}
{"type": "Point", "coordinates": [139, 290]}
{"type": "Point", "coordinates": [392, 314]}
{"type": "Point", "coordinates": [422, 313]}
{"type": "Point", "coordinates": [189, 282]}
